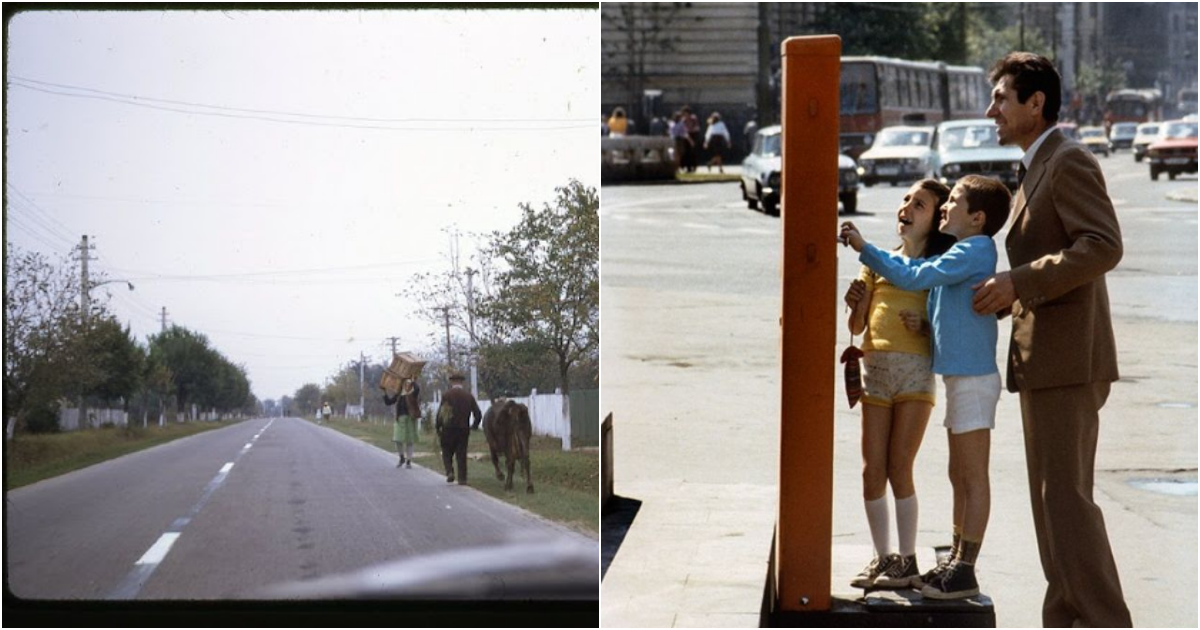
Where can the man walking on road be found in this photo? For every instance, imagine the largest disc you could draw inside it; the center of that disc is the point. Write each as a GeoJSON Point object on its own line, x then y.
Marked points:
{"type": "Point", "coordinates": [1062, 356]}
{"type": "Point", "coordinates": [454, 427]}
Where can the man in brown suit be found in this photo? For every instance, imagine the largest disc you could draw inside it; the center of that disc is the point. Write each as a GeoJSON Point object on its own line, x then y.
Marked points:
{"type": "Point", "coordinates": [1062, 358]}
{"type": "Point", "coordinates": [454, 428]}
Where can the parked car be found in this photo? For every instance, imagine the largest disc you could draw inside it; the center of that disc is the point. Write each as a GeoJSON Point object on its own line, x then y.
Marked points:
{"type": "Point", "coordinates": [1094, 139]}
{"type": "Point", "coordinates": [899, 154]}
{"type": "Point", "coordinates": [1175, 150]}
{"type": "Point", "coordinates": [1070, 130]}
{"type": "Point", "coordinates": [1146, 134]}
{"type": "Point", "coordinates": [762, 174]}
{"type": "Point", "coordinates": [967, 147]}
{"type": "Point", "coordinates": [1122, 135]}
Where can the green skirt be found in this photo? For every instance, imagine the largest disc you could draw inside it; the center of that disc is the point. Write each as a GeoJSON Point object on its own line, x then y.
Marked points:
{"type": "Point", "coordinates": [404, 429]}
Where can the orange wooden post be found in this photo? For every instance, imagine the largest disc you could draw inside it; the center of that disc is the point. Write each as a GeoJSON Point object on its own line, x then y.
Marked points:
{"type": "Point", "coordinates": [804, 532]}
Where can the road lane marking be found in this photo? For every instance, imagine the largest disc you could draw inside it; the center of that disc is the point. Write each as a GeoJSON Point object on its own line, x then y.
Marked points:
{"type": "Point", "coordinates": [159, 549]}
{"type": "Point", "coordinates": [133, 582]}
{"type": "Point", "coordinates": [246, 446]}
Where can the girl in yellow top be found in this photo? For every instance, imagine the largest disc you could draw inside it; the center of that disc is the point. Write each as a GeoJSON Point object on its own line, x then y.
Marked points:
{"type": "Point", "coordinates": [898, 387]}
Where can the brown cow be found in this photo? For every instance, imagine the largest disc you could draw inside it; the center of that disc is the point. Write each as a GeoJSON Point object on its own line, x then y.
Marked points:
{"type": "Point", "coordinates": [508, 430]}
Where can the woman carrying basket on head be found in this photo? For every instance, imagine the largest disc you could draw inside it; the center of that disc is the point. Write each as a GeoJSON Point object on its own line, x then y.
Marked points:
{"type": "Point", "coordinates": [404, 429]}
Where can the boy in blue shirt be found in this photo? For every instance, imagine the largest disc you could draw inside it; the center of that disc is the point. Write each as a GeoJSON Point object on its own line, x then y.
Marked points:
{"type": "Point", "coordinates": [964, 353]}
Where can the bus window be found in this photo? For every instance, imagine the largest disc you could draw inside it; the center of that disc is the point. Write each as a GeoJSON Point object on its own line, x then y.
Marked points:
{"type": "Point", "coordinates": [858, 90]}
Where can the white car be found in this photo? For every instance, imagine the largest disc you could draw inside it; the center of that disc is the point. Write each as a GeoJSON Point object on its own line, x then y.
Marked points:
{"type": "Point", "coordinates": [1122, 135]}
{"type": "Point", "coordinates": [899, 154]}
{"type": "Point", "coordinates": [966, 147]}
{"type": "Point", "coordinates": [762, 174]}
{"type": "Point", "coordinates": [1147, 134]}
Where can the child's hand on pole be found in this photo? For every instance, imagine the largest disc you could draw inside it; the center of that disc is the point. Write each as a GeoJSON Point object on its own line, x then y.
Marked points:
{"type": "Point", "coordinates": [849, 236]}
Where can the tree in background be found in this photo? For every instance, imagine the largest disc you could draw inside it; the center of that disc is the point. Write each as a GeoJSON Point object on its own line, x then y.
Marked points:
{"type": "Point", "coordinates": [306, 400]}
{"type": "Point", "coordinates": [115, 360]}
{"type": "Point", "coordinates": [548, 294]}
{"type": "Point", "coordinates": [200, 374]}
{"type": "Point", "coordinates": [645, 30]}
{"type": "Point", "coordinates": [42, 333]}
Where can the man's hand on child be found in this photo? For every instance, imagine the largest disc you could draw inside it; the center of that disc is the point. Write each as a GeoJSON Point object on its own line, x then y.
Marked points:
{"type": "Point", "coordinates": [995, 294]}
{"type": "Point", "coordinates": [849, 236]}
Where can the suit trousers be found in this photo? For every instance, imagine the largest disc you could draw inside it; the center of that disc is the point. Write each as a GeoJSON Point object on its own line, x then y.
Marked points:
{"type": "Point", "coordinates": [454, 447]}
{"type": "Point", "coordinates": [1061, 428]}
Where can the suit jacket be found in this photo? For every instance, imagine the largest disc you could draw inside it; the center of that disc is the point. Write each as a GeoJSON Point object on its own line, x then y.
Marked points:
{"type": "Point", "coordinates": [461, 407]}
{"type": "Point", "coordinates": [1063, 239]}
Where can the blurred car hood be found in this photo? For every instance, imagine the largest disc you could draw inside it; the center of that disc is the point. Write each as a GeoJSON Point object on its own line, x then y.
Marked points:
{"type": "Point", "coordinates": [1174, 143]}
{"type": "Point", "coordinates": [895, 152]}
{"type": "Point", "coordinates": [987, 154]}
{"type": "Point", "coordinates": [539, 569]}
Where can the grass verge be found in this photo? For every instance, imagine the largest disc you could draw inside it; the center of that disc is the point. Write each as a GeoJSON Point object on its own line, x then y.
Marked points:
{"type": "Point", "coordinates": [566, 483]}
{"type": "Point", "coordinates": [30, 458]}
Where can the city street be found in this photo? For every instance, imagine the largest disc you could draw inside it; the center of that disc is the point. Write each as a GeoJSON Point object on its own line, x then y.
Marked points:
{"type": "Point", "coordinates": [236, 512]}
{"type": "Point", "coordinates": [690, 302]}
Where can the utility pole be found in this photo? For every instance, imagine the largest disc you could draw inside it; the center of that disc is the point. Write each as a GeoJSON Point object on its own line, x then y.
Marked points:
{"type": "Point", "coordinates": [449, 356]}
{"type": "Point", "coordinates": [85, 308]}
{"type": "Point", "coordinates": [362, 388]}
{"type": "Point", "coordinates": [164, 319]}
{"type": "Point", "coordinates": [393, 340]}
{"type": "Point", "coordinates": [471, 327]}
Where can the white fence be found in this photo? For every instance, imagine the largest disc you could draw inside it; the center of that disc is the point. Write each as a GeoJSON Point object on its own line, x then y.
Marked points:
{"type": "Point", "coordinates": [68, 418]}
{"type": "Point", "coordinates": [548, 413]}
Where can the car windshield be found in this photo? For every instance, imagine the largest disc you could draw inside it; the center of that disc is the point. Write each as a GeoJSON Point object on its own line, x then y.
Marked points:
{"type": "Point", "coordinates": [770, 144]}
{"type": "Point", "coordinates": [1151, 130]}
{"type": "Point", "coordinates": [1092, 133]}
{"type": "Point", "coordinates": [973, 137]}
{"type": "Point", "coordinates": [1180, 130]}
{"type": "Point", "coordinates": [902, 138]}
{"type": "Point", "coordinates": [1124, 130]}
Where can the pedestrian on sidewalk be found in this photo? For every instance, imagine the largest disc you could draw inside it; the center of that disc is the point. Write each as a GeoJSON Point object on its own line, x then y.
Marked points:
{"type": "Point", "coordinates": [1062, 356]}
{"type": "Point", "coordinates": [404, 428]}
{"type": "Point", "coordinates": [899, 387]}
{"type": "Point", "coordinates": [964, 353]}
{"type": "Point", "coordinates": [618, 124]}
{"type": "Point", "coordinates": [695, 135]}
{"type": "Point", "coordinates": [683, 143]}
{"type": "Point", "coordinates": [716, 140]}
{"type": "Point", "coordinates": [454, 427]}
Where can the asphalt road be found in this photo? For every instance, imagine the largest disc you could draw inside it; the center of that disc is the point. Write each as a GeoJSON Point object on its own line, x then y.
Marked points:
{"type": "Point", "coordinates": [690, 304]}
{"type": "Point", "coordinates": [228, 513]}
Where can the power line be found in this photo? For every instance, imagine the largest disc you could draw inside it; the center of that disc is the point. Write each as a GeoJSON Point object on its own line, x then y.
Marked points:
{"type": "Point", "coordinates": [39, 209]}
{"type": "Point", "coordinates": [300, 114]}
{"type": "Point", "coordinates": [46, 226]}
{"type": "Point", "coordinates": [269, 274]}
{"type": "Point", "coordinates": [235, 114]}
{"type": "Point", "coordinates": [35, 235]}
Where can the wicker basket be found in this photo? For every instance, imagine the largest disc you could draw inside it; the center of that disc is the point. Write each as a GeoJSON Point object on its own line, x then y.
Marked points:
{"type": "Point", "coordinates": [404, 365]}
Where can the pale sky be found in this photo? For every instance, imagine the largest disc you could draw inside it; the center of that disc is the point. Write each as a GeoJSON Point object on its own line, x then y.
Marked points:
{"type": "Point", "coordinates": [273, 178]}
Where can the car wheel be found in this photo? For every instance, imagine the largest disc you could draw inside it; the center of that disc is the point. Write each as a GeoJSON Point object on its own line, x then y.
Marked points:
{"type": "Point", "coordinates": [1153, 173]}
{"type": "Point", "coordinates": [1171, 175]}
{"type": "Point", "coordinates": [1137, 158]}
{"type": "Point", "coordinates": [868, 182]}
{"type": "Point", "coordinates": [770, 207]}
{"type": "Point", "coordinates": [850, 203]}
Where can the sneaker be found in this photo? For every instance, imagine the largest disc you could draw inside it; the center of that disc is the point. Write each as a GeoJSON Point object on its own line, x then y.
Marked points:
{"type": "Point", "coordinates": [408, 464]}
{"type": "Point", "coordinates": [956, 582]}
{"type": "Point", "coordinates": [929, 576]}
{"type": "Point", "coordinates": [866, 579]}
{"type": "Point", "coordinates": [899, 574]}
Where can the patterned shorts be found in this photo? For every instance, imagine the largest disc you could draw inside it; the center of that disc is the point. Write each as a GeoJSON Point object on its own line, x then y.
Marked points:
{"type": "Point", "coordinates": [892, 377]}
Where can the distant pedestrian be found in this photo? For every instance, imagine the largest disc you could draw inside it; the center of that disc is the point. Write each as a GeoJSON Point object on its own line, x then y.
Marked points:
{"type": "Point", "coordinates": [404, 428]}
{"type": "Point", "coordinates": [716, 140]}
{"type": "Point", "coordinates": [1062, 359]}
{"type": "Point", "coordinates": [318, 413]}
{"type": "Point", "coordinates": [683, 143]}
{"type": "Point", "coordinates": [618, 124]}
{"type": "Point", "coordinates": [658, 127]}
{"type": "Point", "coordinates": [327, 411]}
{"type": "Point", "coordinates": [748, 133]}
{"type": "Point", "coordinates": [695, 134]}
{"type": "Point", "coordinates": [454, 427]}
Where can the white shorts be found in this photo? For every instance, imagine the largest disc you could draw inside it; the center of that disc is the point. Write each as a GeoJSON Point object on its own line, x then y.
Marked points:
{"type": "Point", "coordinates": [971, 402]}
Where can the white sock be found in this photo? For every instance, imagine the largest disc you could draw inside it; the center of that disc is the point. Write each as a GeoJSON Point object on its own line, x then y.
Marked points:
{"type": "Point", "coordinates": [906, 525]}
{"type": "Point", "coordinates": [877, 519]}
{"type": "Point", "coordinates": [410, 450]}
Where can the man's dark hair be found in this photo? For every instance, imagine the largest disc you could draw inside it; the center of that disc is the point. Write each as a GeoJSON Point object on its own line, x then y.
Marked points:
{"type": "Point", "coordinates": [938, 242]}
{"type": "Point", "coordinates": [1031, 73]}
{"type": "Point", "coordinates": [989, 196]}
